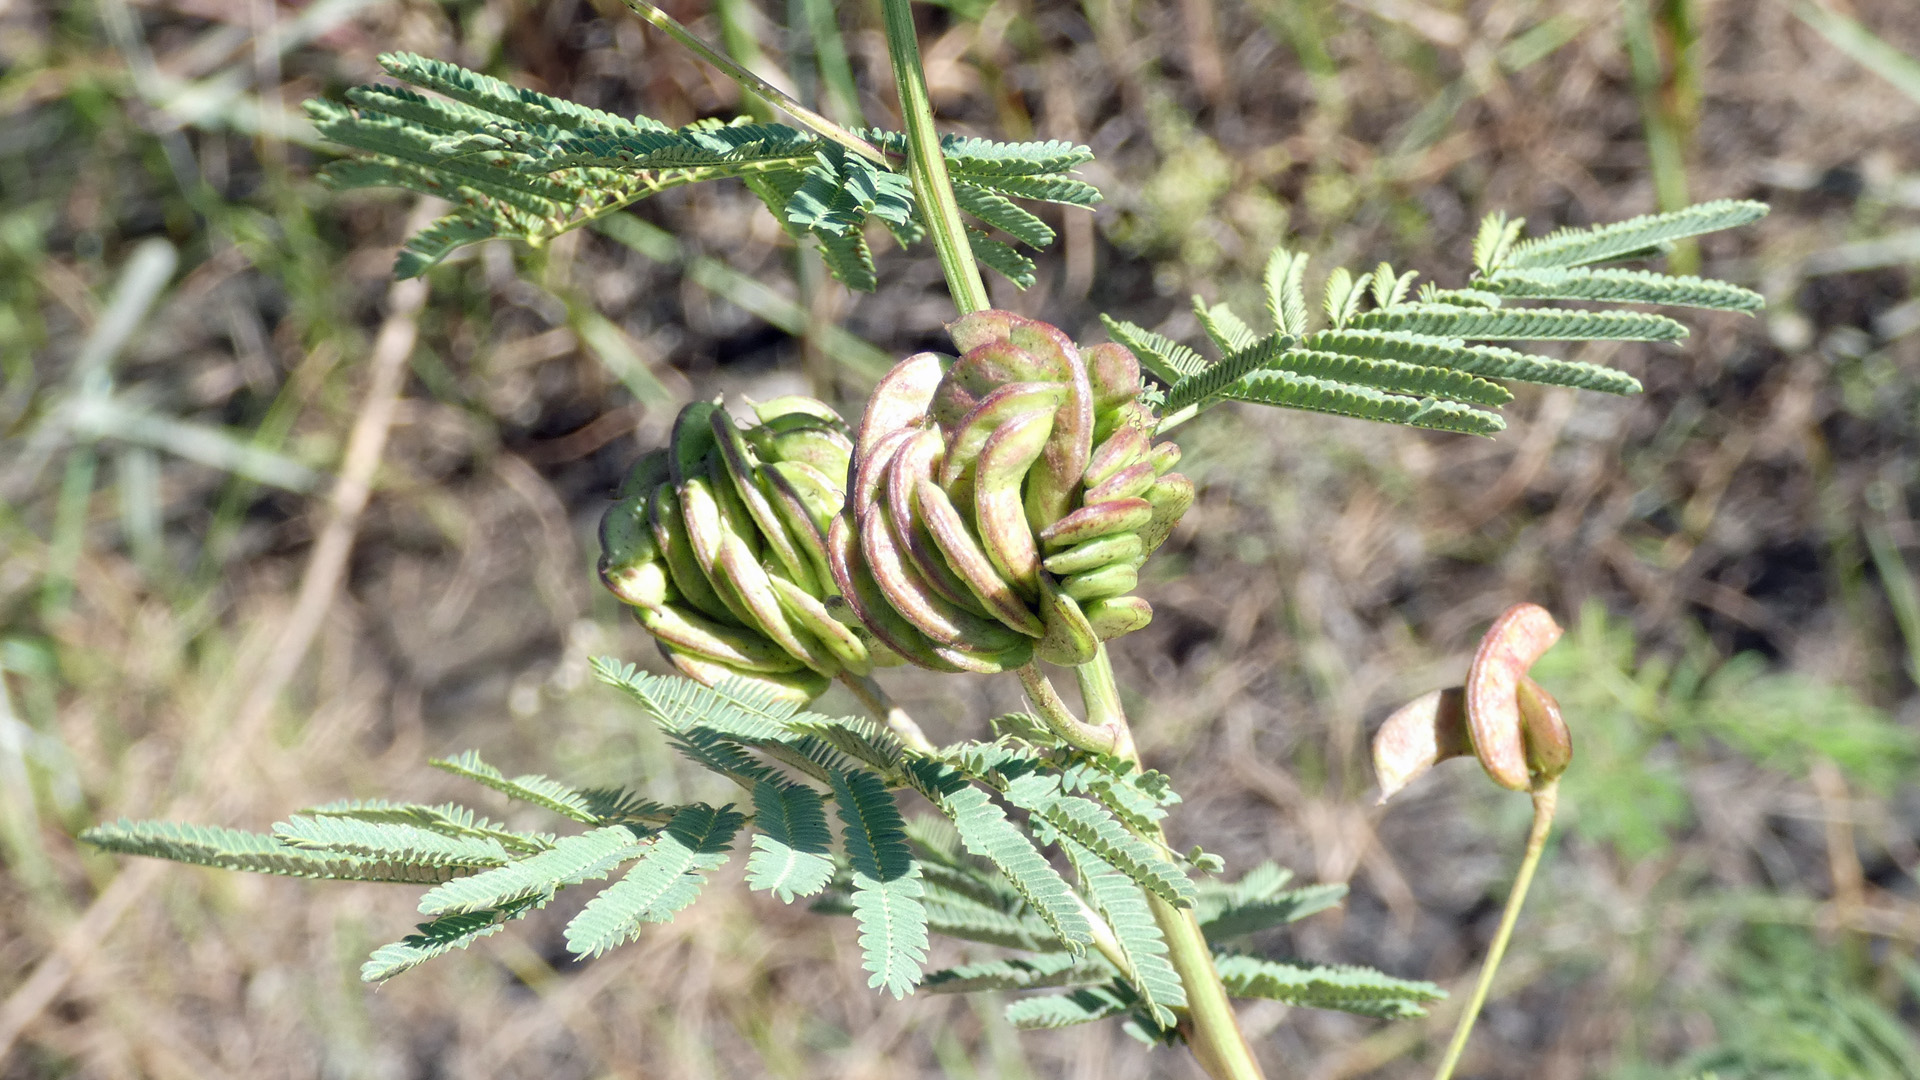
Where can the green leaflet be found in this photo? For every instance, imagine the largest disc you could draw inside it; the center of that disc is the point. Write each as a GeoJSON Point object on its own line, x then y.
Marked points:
{"type": "Point", "coordinates": [1487, 361]}
{"type": "Point", "coordinates": [663, 882]}
{"type": "Point", "coordinates": [1238, 919]}
{"type": "Point", "coordinates": [1119, 899]}
{"type": "Point", "coordinates": [1521, 324]}
{"type": "Point", "coordinates": [1364, 402]}
{"type": "Point", "coordinates": [1047, 970]}
{"type": "Point", "coordinates": [571, 860]}
{"type": "Point", "coordinates": [1348, 989]}
{"type": "Point", "coordinates": [1083, 1006]}
{"type": "Point", "coordinates": [532, 788]}
{"type": "Point", "coordinates": [986, 832]}
{"type": "Point", "coordinates": [1003, 214]}
{"type": "Point", "coordinates": [1623, 287]}
{"type": "Point", "coordinates": [233, 849]}
{"type": "Point", "coordinates": [792, 848]}
{"type": "Point", "coordinates": [395, 841]}
{"type": "Point", "coordinates": [1579, 247]}
{"type": "Point", "coordinates": [441, 936]}
{"type": "Point", "coordinates": [1168, 360]}
{"type": "Point", "coordinates": [1089, 824]}
{"type": "Point", "coordinates": [1230, 333]}
{"type": "Point", "coordinates": [450, 819]}
{"type": "Point", "coordinates": [886, 882]}
{"type": "Point", "coordinates": [1197, 389]}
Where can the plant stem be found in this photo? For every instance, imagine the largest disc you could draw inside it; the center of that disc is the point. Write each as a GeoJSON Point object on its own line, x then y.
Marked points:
{"type": "Point", "coordinates": [1544, 802]}
{"type": "Point", "coordinates": [1060, 720]}
{"type": "Point", "coordinates": [882, 706]}
{"type": "Point", "coordinates": [932, 187]}
{"type": "Point", "coordinates": [1210, 1027]}
{"type": "Point", "coordinates": [758, 86]}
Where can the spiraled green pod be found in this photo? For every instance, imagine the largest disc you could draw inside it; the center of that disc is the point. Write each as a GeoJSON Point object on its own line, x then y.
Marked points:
{"type": "Point", "coordinates": [719, 542]}
{"type": "Point", "coordinates": [1001, 504]}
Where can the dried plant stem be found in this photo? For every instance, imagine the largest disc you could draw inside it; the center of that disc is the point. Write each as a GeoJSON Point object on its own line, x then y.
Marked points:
{"type": "Point", "coordinates": [1544, 802]}
{"type": "Point", "coordinates": [932, 187]}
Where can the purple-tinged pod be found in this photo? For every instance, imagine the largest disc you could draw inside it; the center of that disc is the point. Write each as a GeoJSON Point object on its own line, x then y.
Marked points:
{"type": "Point", "coordinates": [1119, 450]}
{"type": "Point", "coordinates": [972, 330]}
{"type": "Point", "coordinates": [914, 462]}
{"type": "Point", "coordinates": [967, 438]}
{"type": "Point", "coordinates": [1164, 457]}
{"type": "Point", "coordinates": [900, 398]}
{"type": "Point", "coordinates": [997, 506]}
{"type": "Point", "coordinates": [970, 561]}
{"type": "Point", "coordinates": [942, 621]}
{"type": "Point", "coordinates": [1055, 480]}
{"type": "Point", "coordinates": [1113, 374]}
{"type": "Point", "coordinates": [862, 593]}
{"type": "Point", "coordinates": [1521, 635]}
{"type": "Point", "coordinates": [1419, 735]}
{"type": "Point", "coordinates": [1129, 482]}
{"type": "Point", "coordinates": [1100, 584]}
{"type": "Point", "coordinates": [1093, 522]}
{"type": "Point", "coordinates": [1070, 639]}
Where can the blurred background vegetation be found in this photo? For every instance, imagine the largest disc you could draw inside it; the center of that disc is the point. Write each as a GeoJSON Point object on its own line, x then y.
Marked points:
{"type": "Point", "coordinates": [276, 529]}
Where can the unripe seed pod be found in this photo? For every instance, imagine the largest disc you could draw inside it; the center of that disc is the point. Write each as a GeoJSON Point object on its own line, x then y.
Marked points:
{"type": "Point", "coordinates": [967, 471]}
{"type": "Point", "coordinates": [719, 542]}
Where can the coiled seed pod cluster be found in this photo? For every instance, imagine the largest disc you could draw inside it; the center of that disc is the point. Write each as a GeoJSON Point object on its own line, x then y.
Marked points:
{"type": "Point", "coordinates": [1001, 504]}
{"type": "Point", "coordinates": [719, 542]}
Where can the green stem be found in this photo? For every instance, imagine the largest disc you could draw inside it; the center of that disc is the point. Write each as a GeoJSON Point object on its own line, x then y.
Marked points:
{"type": "Point", "coordinates": [932, 187]}
{"type": "Point", "coordinates": [754, 84]}
{"type": "Point", "coordinates": [1060, 720]}
{"type": "Point", "coordinates": [1210, 1027]}
{"type": "Point", "coordinates": [1544, 801]}
{"type": "Point", "coordinates": [881, 705]}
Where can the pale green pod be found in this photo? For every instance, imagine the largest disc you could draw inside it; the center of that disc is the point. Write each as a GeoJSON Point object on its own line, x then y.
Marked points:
{"type": "Point", "coordinates": [999, 513]}
{"type": "Point", "coordinates": [1118, 615]}
{"type": "Point", "coordinates": [799, 686]}
{"type": "Point", "coordinates": [1133, 480]}
{"type": "Point", "coordinates": [862, 593]}
{"type": "Point", "coordinates": [630, 563]}
{"type": "Point", "coordinates": [699, 636]}
{"type": "Point", "coordinates": [773, 410]}
{"type": "Point", "coordinates": [943, 622]}
{"type": "Point", "coordinates": [707, 531]}
{"type": "Point", "coordinates": [676, 549]}
{"type": "Point", "coordinates": [806, 503]}
{"type": "Point", "coordinates": [913, 462]}
{"type": "Point", "coordinates": [646, 474]}
{"type": "Point", "coordinates": [737, 466]}
{"type": "Point", "coordinates": [1070, 639]}
{"type": "Point", "coordinates": [1170, 496]}
{"type": "Point", "coordinates": [738, 569]}
{"type": "Point", "coordinates": [1119, 450]}
{"type": "Point", "coordinates": [1102, 583]}
{"type": "Point", "coordinates": [814, 617]}
{"type": "Point", "coordinates": [1095, 553]}
{"type": "Point", "coordinates": [969, 436]}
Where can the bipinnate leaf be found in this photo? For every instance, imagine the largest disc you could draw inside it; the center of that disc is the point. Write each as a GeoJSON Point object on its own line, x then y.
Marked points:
{"type": "Point", "coordinates": [1252, 916]}
{"type": "Point", "coordinates": [986, 832]}
{"type": "Point", "coordinates": [1623, 287]}
{"type": "Point", "coordinates": [1119, 900]}
{"type": "Point", "coordinates": [1168, 360]}
{"type": "Point", "coordinates": [886, 882]}
{"type": "Point", "coordinates": [1348, 989]}
{"type": "Point", "coordinates": [792, 846]}
{"type": "Point", "coordinates": [1089, 824]}
{"type": "Point", "coordinates": [234, 849]}
{"type": "Point", "coordinates": [449, 819]}
{"type": "Point", "coordinates": [571, 860]}
{"type": "Point", "coordinates": [1518, 324]}
{"type": "Point", "coordinates": [662, 883]}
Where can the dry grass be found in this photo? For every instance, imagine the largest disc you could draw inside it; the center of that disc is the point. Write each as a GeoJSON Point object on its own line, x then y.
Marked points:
{"type": "Point", "coordinates": [179, 638]}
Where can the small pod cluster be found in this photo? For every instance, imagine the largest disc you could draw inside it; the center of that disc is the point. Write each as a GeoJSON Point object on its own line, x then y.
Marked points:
{"type": "Point", "coordinates": [719, 542]}
{"type": "Point", "coordinates": [1001, 504]}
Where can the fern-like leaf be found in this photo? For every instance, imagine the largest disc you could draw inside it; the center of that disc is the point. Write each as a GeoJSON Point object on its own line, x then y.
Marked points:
{"type": "Point", "coordinates": [1230, 333]}
{"type": "Point", "coordinates": [1604, 243]}
{"type": "Point", "coordinates": [1252, 916]}
{"type": "Point", "coordinates": [448, 819]}
{"type": "Point", "coordinates": [234, 849]}
{"type": "Point", "coordinates": [1196, 390]}
{"type": "Point", "coordinates": [1486, 361]}
{"type": "Point", "coordinates": [857, 737]}
{"type": "Point", "coordinates": [1623, 287]}
{"type": "Point", "coordinates": [886, 883]}
{"type": "Point", "coordinates": [1348, 989]}
{"type": "Point", "coordinates": [1118, 898]}
{"type": "Point", "coordinates": [1496, 237]}
{"type": "Point", "coordinates": [792, 847]}
{"type": "Point", "coordinates": [1393, 376]}
{"type": "Point", "coordinates": [1286, 281]}
{"type": "Point", "coordinates": [1003, 214]}
{"type": "Point", "coordinates": [1168, 360]}
{"type": "Point", "coordinates": [1002, 259]}
{"type": "Point", "coordinates": [571, 860]}
{"type": "Point", "coordinates": [986, 832]}
{"type": "Point", "coordinates": [442, 936]}
{"type": "Point", "coordinates": [1090, 825]}
{"type": "Point", "coordinates": [661, 884]}
{"type": "Point", "coordinates": [531, 788]}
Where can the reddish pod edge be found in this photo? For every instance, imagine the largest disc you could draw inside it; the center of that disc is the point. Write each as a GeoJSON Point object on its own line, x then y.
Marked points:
{"type": "Point", "coordinates": [1500, 716]}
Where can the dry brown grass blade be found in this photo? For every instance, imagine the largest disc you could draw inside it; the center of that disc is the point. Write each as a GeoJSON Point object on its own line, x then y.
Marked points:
{"type": "Point", "coordinates": [319, 585]}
